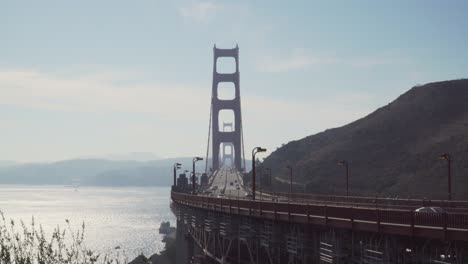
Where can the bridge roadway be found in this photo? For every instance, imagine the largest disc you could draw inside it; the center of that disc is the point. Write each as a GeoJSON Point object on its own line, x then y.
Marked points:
{"type": "Point", "coordinates": [226, 186]}
{"type": "Point", "coordinates": [223, 215]}
{"type": "Point", "coordinates": [448, 226]}
{"type": "Point", "coordinates": [226, 182]}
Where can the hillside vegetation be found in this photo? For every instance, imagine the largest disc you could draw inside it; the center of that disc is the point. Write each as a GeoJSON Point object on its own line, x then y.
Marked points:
{"type": "Point", "coordinates": [392, 151]}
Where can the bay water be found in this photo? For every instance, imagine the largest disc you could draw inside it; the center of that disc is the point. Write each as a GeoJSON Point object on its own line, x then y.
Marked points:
{"type": "Point", "coordinates": [116, 218]}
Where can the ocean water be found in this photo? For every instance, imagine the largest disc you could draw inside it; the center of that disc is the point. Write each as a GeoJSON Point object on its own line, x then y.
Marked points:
{"type": "Point", "coordinates": [125, 217]}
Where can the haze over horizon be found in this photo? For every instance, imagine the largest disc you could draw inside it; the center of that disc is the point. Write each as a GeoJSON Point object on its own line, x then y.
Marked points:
{"type": "Point", "coordinates": [87, 79]}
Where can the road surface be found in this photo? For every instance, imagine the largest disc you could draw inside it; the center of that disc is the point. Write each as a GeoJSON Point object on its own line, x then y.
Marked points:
{"type": "Point", "coordinates": [227, 182]}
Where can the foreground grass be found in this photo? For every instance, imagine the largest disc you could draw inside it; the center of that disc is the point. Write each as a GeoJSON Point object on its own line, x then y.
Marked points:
{"type": "Point", "coordinates": [22, 244]}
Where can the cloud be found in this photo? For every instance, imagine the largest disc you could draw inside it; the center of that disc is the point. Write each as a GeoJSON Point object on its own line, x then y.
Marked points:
{"type": "Point", "coordinates": [199, 11]}
{"type": "Point", "coordinates": [267, 121]}
{"type": "Point", "coordinates": [302, 59]}
{"type": "Point", "coordinates": [92, 93]}
{"type": "Point", "coordinates": [96, 92]}
{"type": "Point", "coordinates": [271, 122]}
{"type": "Point", "coordinates": [295, 61]}
{"type": "Point", "coordinates": [376, 61]}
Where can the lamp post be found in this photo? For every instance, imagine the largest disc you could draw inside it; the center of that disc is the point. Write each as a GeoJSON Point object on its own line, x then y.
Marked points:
{"type": "Point", "coordinates": [446, 156]}
{"type": "Point", "coordinates": [176, 166]}
{"type": "Point", "coordinates": [345, 164]}
{"type": "Point", "coordinates": [193, 175]}
{"type": "Point", "coordinates": [260, 185]}
{"type": "Point", "coordinates": [255, 151]}
{"type": "Point", "coordinates": [268, 172]}
{"type": "Point", "coordinates": [290, 180]}
{"type": "Point", "coordinates": [187, 176]}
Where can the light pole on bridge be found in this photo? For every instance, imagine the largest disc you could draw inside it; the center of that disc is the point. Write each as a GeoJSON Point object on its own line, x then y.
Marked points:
{"type": "Point", "coordinates": [290, 180]}
{"type": "Point", "coordinates": [255, 151]}
{"type": "Point", "coordinates": [193, 175]}
{"type": "Point", "coordinates": [176, 166]}
{"type": "Point", "coordinates": [447, 157]}
{"type": "Point", "coordinates": [345, 164]}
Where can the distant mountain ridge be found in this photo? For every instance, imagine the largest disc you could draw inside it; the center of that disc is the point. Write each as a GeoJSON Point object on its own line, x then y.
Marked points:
{"type": "Point", "coordinates": [392, 151]}
{"type": "Point", "coordinates": [136, 156]}
{"type": "Point", "coordinates": [96, 172]}
{"type": "Point", "coordinates": [5, 163]}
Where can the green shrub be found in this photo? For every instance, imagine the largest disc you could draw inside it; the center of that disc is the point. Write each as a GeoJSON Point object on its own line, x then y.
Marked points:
{"type": "Point", "coordinates": [29, 245]}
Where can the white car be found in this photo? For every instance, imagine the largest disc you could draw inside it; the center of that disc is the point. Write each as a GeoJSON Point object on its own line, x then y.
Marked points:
{"type": "Point", "coordinates": [439, 210]}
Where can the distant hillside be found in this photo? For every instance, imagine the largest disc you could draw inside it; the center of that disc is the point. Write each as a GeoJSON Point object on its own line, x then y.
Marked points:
{"type": "Point", "coordinates": [95, 172]}
{"type": "Point", "coordinates": [393, 151]}
{"type": "Point", "coordinates": [5, 163]}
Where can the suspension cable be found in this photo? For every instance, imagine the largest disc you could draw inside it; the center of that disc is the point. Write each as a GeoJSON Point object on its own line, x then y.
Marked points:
{"type": "Point", "coordinates": [209, 137]}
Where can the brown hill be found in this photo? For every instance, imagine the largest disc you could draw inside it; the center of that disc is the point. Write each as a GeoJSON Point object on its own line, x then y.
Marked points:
{"type": "Point", "coordinates": [392, 151]}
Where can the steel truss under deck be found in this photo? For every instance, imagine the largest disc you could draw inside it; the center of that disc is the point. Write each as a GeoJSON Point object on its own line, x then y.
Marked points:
{"type": "Point", "coordinates": [229, 238]}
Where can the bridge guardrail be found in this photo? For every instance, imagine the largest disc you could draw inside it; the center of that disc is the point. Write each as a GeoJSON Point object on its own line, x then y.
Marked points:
{"type": "Point", "coordinates": [374, 200]}
{"type": "Point", "coordinates": [451, 226]}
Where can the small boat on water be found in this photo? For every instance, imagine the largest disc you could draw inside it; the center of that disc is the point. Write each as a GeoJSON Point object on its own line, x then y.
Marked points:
{"type": "Point", "coordinates": [74, 184]}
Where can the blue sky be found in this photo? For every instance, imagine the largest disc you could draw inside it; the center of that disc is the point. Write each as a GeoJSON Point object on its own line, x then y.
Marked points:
{"type": "Point", "coordinates": [93, 78]}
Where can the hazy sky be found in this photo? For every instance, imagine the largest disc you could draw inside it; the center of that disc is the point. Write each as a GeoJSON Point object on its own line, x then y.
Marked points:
{"type": "Point", "coordinates": [91, 78]}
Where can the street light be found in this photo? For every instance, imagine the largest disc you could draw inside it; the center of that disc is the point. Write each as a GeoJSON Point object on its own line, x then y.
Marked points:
{"type": "Point", "coordinates": [187, 176]}
{"type": "Point", "coordinates": [446, 156]}
{"type": "Point", "coordinates": [193, 169]}
{"type": "Point", "coordinates": [255, 151]}
{"type": "Point", "coordinates": [345, 164]}
{"type": "Point", "coordinates": [290, 180]}
{"type": "Point", "coordinates": [176, 166]}
{"type": "Point", "coordinates": [268, 173]}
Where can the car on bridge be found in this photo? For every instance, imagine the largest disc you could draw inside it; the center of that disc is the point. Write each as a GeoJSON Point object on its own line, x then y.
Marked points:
{"type": "Point", "coordinates": [439, 210]}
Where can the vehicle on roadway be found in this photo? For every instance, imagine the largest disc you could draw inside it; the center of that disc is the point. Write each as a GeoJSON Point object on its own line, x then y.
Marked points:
{"type": "Point", "coordinates": [439, 210]}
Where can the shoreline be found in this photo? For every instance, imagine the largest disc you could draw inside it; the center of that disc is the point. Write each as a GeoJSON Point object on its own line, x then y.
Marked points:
{"type": "Point", "coordinates": [166, 256]}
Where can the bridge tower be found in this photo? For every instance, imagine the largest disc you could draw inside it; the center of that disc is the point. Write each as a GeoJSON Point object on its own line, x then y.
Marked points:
{"type": "Point", "coordinates": [233, 137]}
{"type": "Point", "coordinates": [228, 148]}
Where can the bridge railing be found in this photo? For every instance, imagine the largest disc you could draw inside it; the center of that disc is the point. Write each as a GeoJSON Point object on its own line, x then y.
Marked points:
{"type": "Point", "coordinates": [376, 201]}
{"type": "Point", "coordinates": [406, 222]}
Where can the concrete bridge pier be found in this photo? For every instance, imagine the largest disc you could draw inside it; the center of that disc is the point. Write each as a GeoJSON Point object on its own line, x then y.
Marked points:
{"type": "Point", "coordinates": [184, 243]}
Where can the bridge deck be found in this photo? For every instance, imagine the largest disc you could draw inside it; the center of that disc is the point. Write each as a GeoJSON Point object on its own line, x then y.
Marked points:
{"type": "Point", "coordinates": [444, 226]}
{"type": "Point", "coordinates": [226, 182]}
{"type": "Point", "coordinates": [228, 195]}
